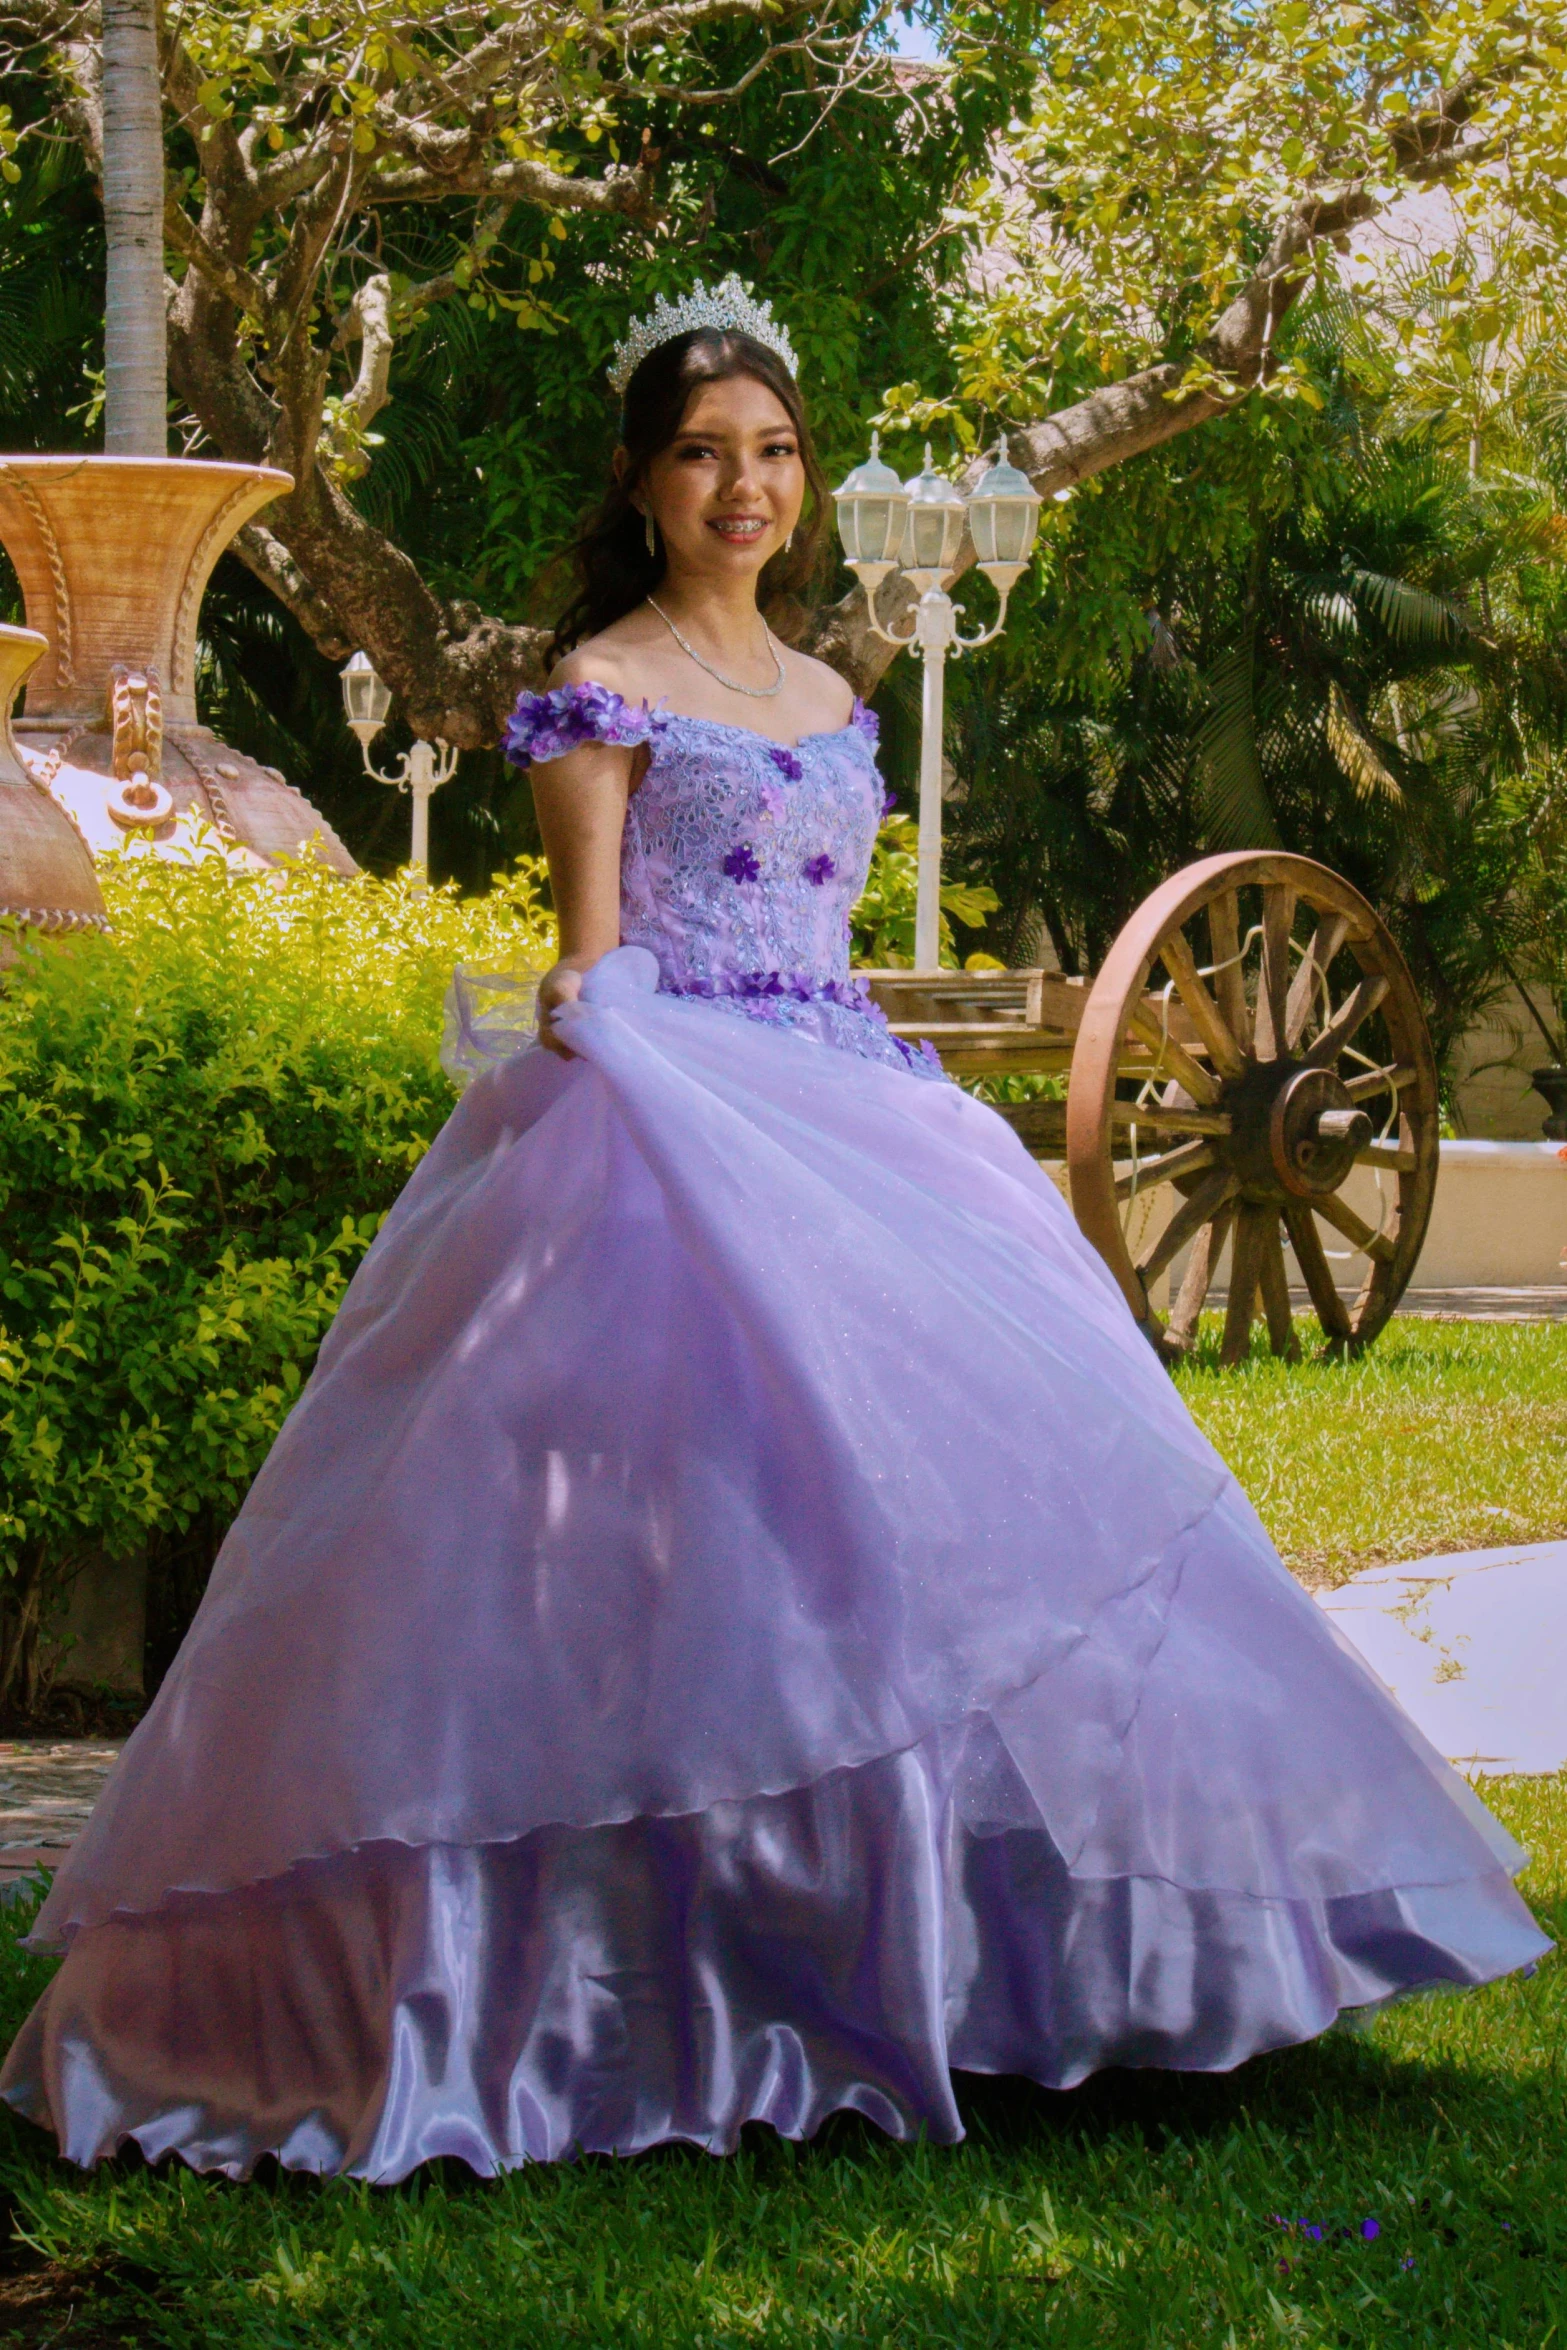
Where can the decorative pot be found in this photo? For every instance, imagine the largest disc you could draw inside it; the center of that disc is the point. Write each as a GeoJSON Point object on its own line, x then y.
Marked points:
{"type": "Point", "coordinates": [113, 555]}
{"type": "Point", "coordinates": [46, 874]}
{"type": "Point", "coordinates": [1551, 1083]}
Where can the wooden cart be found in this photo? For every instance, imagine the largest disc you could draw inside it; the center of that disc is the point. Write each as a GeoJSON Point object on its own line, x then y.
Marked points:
{"type": "Point", "coordinates": [1253, 1037]}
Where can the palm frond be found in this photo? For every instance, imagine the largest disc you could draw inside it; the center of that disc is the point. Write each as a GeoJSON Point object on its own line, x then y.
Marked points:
{"type": "Point", "coordinates": [1233, 797]}
{"type": "Point", "coordinates": [1352, 745]}
{"type": "Point", "coordinates": [1413, 618]}
{"type": "Point", "coordinates": [1328, 604]}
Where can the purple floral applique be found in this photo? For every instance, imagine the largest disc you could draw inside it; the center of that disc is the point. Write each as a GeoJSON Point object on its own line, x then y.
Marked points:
{"type": "Point", "coordinates": [786, 761]}
{"type": "Point", "coordinates": [867, 722]}
{"type": "Point", "coordinates": [889, 802]}
{"type": "Point", "coordinates": [741, 864]}
{"type": "Point", "coordinates": [800, 987]}
{"type": "Point", "coordinates": [773, 802]}
{"type": "Point", "coordinates": [547, 726]}
{"type": "Point", "coordinates": [818, 869]}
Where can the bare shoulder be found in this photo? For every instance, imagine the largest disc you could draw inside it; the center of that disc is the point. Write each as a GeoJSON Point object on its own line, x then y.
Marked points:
{"type": "Point", "coordinates": [616, 657]}
{"type": "Point", "coordinates": [830, 699]}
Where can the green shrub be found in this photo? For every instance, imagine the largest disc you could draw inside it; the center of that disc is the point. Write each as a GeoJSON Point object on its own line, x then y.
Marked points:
{"type": "Point", "coordinates": [203, 1119]}
{"type": "Point", "coordinates": [882, 924]}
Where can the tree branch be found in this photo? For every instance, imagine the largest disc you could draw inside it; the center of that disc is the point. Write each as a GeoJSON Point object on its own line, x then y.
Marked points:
{"type": "Point", "coordinates": [263, 553]}
{"type": "Point", "coordinates": [236, 284]}
{"type": "Point", "coordinates": [627, 189]}
{"type": "Point", "coordinates": [1122, 420]}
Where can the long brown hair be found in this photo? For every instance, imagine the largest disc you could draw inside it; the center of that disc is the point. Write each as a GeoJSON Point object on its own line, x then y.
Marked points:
{"type": "Point", "coordinates": [614, 569]}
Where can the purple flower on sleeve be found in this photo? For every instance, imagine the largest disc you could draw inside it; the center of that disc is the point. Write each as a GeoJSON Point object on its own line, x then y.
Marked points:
{"type": "Point", "coordinates": [866, 721]}
{"type": "Point", "coordinates": [741, 864]}
{"type": "Point", "coordinates": [547, 726]}
{"type": "Point", "coordinates": [786, 761]}
{"type": "Point", "coordinates": [888, 802]}
{"type": "Point", "coordinates": [818, 869]}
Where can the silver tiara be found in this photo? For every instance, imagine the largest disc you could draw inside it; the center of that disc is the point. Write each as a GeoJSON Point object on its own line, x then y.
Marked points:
{"type": "Point", "coordinates": [731, 307]}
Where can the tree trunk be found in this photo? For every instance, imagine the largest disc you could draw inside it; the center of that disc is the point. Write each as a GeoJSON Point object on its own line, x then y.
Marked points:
{"type": "Point", "coordinates": [134, 336]}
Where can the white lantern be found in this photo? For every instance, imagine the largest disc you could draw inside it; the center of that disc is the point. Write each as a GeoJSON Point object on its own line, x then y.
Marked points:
{"type": "Point", "coordinates": [933, 529]}
{"type": "Point", "coordinates": [366, 698]}
{"type": "Point", "coordinates": [1003, 515]}
{"type": "Point", "coordinates": [871, 505]}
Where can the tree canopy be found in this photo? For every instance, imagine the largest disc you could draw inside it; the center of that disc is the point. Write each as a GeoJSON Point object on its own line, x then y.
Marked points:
{"type": "Point", "coordinates": [1104, 216]}
{"type": "Point", "coordinates": [342, 182]}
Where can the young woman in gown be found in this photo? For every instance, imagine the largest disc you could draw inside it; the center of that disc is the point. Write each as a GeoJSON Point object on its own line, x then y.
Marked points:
{"type": "Point", "coordinates": [739, 1624]}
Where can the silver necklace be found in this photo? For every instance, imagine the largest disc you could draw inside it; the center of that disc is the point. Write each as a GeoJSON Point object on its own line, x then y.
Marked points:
{"type": "Point", "coordinates": [756, 693]}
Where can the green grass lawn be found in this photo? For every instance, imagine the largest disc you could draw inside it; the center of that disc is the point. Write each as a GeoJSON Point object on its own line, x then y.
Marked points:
{"type": "Point", "coordinates": [1401, 2187]}
{"type": "Point", "coordinates": [1443, 1436]}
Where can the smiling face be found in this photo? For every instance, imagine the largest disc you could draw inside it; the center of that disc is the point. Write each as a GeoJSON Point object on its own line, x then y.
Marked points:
{"type": "Point", "coordinates": [728, 490]}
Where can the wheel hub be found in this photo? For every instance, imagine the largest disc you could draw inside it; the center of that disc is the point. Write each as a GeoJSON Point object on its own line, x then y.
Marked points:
{"type": "Point", "coordinates": [1295, 1131]}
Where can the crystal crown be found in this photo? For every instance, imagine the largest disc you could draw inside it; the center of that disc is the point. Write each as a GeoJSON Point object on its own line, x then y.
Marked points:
{"type": "Point", "coordinates": [731, 307]}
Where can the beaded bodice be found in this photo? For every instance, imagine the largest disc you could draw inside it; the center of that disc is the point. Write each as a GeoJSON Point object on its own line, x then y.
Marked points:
{"type": "Point", "coordinates": [741, 859]}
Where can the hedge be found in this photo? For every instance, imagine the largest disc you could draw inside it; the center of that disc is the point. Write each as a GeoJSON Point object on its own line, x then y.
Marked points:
{"type": "Point", "coordinates": [204, 1116]}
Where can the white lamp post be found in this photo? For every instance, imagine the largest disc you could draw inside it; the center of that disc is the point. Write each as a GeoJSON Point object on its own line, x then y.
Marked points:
{"type": "Point", "coordinates": [421, 770]}
{"type": "Point", "coordinates": [917, 528]}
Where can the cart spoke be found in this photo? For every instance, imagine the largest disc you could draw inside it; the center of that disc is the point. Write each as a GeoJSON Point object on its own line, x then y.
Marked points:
{"type": "Point", "coordinates": [1382, 1154]}
{"type": "Point", "coordinates": [1276, 1292]}
{"type": "Point", "coordinates": [1165, 1118]}
{"type": "Point", "coordinates": [1229, 980]}
{"type": "Point", "coordinates": [1205, 1201]}
{"type": "Point", "coordinates": [1316, 1272]}
{"type": "Point", "coordinates": [1191, 1159]}
{"type": "Point", "coordinates": [1343, 1218]}
{"type": "Point", "coordinates": [1332, 930]}
{"type": "Point", "coordinates": [1278, 920]}
{"type": "Point", "coordinates": [1245, 1267]}
{"type": "Point", "coordinates": [1206, 1017]}
{"type": "Point", "coordinates": [1355, 1010]}
{"type": "Point", "coordinates": [1172, 1059]}
{"type": "Point", "coordinates": [1201, 1266]}
{"type": "Point", "coordinates": [1395, 1078]}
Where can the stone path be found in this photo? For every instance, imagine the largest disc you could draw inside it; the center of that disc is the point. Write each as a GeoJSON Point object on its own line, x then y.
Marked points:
{"type": "Point", "coordinates": [1451, 1305]}
{"type": "Point", "coordinates": [1486, 1305]}
{"type": "Point", "coordinates": [1474, 1647]}
{"type": "Point", "coordinates": [47, 1789]}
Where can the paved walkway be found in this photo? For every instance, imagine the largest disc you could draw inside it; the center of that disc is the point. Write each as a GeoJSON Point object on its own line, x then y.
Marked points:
{"type": "Point", "coordinates": [1451, 1305]}
{"type": "Point", "coordinates": [47, 1789]}
{"type": "Point", "coordinates": [1473, 1646]}
{"type": "Point", "coordinates": [1486, 1305]}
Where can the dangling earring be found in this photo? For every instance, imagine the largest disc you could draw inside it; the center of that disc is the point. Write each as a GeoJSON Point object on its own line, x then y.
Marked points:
{"type": "Point", "coordinates": [793, 535]}
{"type": "Point", "coordinates": [651, 534]}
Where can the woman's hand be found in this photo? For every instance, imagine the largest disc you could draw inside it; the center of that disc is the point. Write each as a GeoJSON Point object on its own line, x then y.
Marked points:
{"type": "Point", "coordinates": [562, 984]}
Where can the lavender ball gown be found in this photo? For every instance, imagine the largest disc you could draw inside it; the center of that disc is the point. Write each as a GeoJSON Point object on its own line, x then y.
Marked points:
{"type": "Point", "coordinates": [739, 1623]}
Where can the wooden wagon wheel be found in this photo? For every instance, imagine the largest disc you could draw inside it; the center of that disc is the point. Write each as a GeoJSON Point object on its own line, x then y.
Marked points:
{"type": "Point", "coordinates": [1286, 1046]}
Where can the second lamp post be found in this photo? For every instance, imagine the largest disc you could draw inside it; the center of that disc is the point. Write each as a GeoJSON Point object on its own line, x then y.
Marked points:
{"type": "Point", "coordinates": [916, 528]}
{"type": "Point", "coordinates": [421, 770]}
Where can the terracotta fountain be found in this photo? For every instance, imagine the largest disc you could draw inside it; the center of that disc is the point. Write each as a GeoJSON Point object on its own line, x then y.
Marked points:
{"type": "Point", "coordinates": [46, 872]}
{"type": "Point", "coordinates": [113, 555]}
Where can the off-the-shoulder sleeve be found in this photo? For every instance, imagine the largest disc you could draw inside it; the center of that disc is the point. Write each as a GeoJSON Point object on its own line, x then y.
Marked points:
{"type": "Point", "coordinates": [546, 726]}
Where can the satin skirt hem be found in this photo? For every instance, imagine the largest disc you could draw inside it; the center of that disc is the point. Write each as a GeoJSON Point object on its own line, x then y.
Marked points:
{"type": "Point", "coordinates": [845, 1947]}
